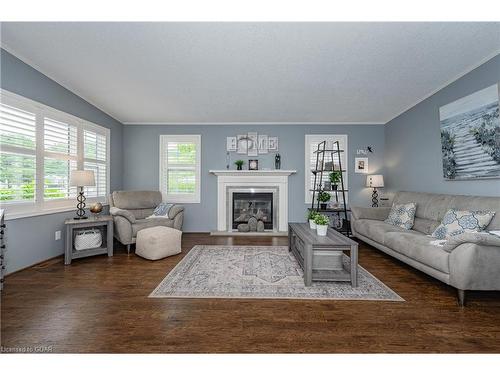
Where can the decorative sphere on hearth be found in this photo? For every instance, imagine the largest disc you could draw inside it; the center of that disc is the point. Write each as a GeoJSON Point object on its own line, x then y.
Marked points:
{"type": "Point", "coordinates": [95, 208]}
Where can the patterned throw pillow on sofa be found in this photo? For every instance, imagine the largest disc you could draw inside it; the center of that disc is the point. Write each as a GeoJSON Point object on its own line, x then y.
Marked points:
{"type": "Point", "coordinates": [402, 215]}
{"type": "Point", "coordinates": [459, 222]}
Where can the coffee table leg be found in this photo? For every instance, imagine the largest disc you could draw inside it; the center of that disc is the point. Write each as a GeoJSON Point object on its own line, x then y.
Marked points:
{"type": "Point", "coordinates": [308, 265]}
{"type": "Point", "coordinates": [354, 265]}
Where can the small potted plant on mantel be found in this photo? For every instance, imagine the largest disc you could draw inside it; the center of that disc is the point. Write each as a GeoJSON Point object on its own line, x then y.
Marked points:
{"type": "Point", "coordinates": [321, 222]}
{"type": "Point", "coordinates": [334, 179]}
{"type": "Point", "coordinates": [311, 216]}
{"type": "Point", "coordinates": [239, 164]}
{"type": "Point", "coordinates": [323, 197]}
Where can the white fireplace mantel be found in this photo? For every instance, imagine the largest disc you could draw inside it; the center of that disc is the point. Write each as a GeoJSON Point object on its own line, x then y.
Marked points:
{"type": "Point", "coordinates": [232, 180]}
{"type": "Point", "coordinates": [265, 172]}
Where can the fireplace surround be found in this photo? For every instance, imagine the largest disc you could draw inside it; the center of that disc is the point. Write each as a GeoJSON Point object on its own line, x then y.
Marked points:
{"type": "Point", "coordinates": [273, 182]}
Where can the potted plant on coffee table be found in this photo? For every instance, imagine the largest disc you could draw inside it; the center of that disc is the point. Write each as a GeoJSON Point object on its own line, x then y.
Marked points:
{"type": "Point", "coordinates": [311, 215]}
{"type": "Point", "coordinates": [334, 179]}
{"type": "Point", "coordinates": [321, 222]}
{"type": "Point", "coordinates": [324, 198]}
{"type": "Point", "coordinates": [239, 164]}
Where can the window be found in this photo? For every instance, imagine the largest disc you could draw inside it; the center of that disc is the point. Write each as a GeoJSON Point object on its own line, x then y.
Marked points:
{"type": "Point", "coordinates": [180, 164]}
{"type": "Point", "coordinates": [311, 145]}
{"type": "Point", "coordinates": [39, 147]}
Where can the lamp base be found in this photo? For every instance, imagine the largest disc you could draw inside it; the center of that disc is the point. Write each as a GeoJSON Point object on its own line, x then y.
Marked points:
{"type": "Point", "coordinates": [80, 212]}
{"type": "Point", "coordinates": [375, 198]}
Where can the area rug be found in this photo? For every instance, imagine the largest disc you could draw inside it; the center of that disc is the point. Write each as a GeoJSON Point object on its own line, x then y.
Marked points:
{"type": "Point", "coordinates": [271, 272]}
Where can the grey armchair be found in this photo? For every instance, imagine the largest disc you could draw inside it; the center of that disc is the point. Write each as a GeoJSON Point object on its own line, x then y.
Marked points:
{"type": "Point", "coordinates": [130, 210]}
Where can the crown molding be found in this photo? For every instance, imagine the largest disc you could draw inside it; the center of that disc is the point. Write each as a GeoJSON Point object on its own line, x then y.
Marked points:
{"type": "Point", "coordinates": [166, 123]}
{"type": "Point", "coordinates": [35, 66]}
{"type": "Point", "coordinates": [449, 82]}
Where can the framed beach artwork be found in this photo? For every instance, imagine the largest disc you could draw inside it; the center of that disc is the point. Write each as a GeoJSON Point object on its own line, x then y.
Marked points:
{"type": "Point", "coordinates": [252, 144]}
{"type": "Point", "coordinates": [242, 144]}
{"type": "Point", "coordinates": [231, 144]}
{"type": "Point", "coordinates": [263, 143]}
{"type": "Point", "coordinates": [470, 136]}
{"type": "Point", "coordinates": [272, 144]}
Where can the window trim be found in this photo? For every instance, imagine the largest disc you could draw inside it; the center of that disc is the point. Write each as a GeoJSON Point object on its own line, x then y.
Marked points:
{"type": "Point", "coordinates": [307, 140]}
{"type": "Point", "coordinates": [41, 206]}
{"type": "Point", "coordinates": [180, 198]}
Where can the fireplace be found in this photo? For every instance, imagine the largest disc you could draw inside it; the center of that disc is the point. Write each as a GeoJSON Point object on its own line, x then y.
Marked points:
{"type": "Point", "coordinates": [256, 205]}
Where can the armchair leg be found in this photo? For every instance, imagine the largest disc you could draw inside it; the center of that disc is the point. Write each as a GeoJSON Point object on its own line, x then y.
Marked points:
{"type": "Point", "coordinates": [461, 297]}
{"type": "Point", "coordinates": [128, 249]}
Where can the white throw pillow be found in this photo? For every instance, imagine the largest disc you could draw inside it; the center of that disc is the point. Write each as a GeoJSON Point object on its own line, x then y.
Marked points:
{"type": "Point", "coordinates": [402, 215]}
{"type": "Point", "coordinates": [458, 222]}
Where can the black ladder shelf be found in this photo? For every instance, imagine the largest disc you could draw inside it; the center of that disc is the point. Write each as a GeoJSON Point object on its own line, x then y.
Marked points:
{"type": "Point", "coordinates": [335, 153]}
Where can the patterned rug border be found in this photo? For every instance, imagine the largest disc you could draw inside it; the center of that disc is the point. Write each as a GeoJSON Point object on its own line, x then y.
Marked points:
{"type": "Point", "coordinates": [397, 297]}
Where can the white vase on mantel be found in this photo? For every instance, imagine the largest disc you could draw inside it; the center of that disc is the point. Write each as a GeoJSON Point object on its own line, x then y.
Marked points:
{"type": "Point", "coordinates": [312, 224]}
{"type": "Point", "coordinates": [321, 230]}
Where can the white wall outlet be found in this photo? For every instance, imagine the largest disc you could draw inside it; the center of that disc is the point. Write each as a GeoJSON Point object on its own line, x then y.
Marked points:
{"type": "Point", "coordinates": [58, 235]}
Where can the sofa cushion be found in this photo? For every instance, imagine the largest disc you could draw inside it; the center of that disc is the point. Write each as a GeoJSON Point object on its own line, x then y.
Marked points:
{"type": "Point", "coordinates": [425, 226]}
{"type": "Point", "coordinates": [375, 229]}
{"type": "Point", "coordinates": [417, 246]}
{"type": "Point", "coordinates": [459, 222]}
{"type": "Point", "coordinates": [402, 215]}
{"type": "Point", "coordinates": [133, 200]}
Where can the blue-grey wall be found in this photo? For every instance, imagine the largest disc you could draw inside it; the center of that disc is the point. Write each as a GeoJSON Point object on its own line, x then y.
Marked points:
{"type": "Point", "coordinates": [31, 240]}
{"type": "Point", "coordinates": [141, 160]}
{"type": "Point", "coordinates": [413, 141]}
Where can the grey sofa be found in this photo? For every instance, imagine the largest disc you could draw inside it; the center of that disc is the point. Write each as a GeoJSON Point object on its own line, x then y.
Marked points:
{"type": "Point", "coordinates": [130, 210]}
{"type": "Point", "coordinates": [468, 266]}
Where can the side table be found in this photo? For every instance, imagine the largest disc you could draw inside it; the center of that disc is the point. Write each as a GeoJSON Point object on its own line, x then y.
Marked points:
{"type": "Point", "coordinates": [105, 224]}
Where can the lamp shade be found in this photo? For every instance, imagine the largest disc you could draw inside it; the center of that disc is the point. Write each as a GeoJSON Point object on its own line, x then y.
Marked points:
{"type": "Point", "coordinates": [82, 178]}
{"type": "Point", "coordinates": [375, 181]}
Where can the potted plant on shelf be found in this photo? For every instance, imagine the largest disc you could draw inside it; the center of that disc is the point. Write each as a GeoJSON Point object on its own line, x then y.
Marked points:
{"type": "Point", "coordinates": [239, 164]}
{"type": "Point", "coordinates": [323, 197]}
{"type": "Point", "coordinates": [321, 222]}
{"type": "Point", "coordinates": [311, 216]}
{"type": "Point", "coordinates": [335, 179]}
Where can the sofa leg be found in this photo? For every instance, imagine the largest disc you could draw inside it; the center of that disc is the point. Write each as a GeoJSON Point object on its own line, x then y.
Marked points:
{"type": "Point", "coordinates": [461, 297]}
{"type": "Point", "coordinates": [128, 249]}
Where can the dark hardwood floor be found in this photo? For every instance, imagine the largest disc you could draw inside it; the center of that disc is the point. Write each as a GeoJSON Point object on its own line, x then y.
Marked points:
{"type": "Point", "coordinates": [101, 304]}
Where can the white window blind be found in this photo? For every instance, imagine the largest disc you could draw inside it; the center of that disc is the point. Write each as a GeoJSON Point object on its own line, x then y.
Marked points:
{"type": "Point", "coordinates": [95, 159]}
{"type": "Point", "coordinates": [39, 147]}
{"type": "Point", "coordinates": [60, 158]}
{"type": "Point", "coordinates": [17, 154]}
{"type": "Point", "coordinates": [180, 159]}
{"type": "Point", "coordinates": [311, 145]}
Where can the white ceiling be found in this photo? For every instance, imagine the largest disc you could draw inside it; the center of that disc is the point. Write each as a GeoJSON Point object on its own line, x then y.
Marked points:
{"type": "Point", "coordinates": [253, 72]}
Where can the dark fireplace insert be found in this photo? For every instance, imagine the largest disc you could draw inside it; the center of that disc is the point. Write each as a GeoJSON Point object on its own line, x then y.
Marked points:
{"type": "Point", "coordinates": [248, 205]}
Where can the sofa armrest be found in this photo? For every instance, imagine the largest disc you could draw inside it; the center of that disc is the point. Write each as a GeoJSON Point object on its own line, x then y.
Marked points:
{"type": "Point", "coordinates": [483, 239]}
{"type": "Point", "coordinates": [373, 213]}
{"type": "Point", "coordinates": [115, 211]}
{"type": "Point", "coordinates": [174, 211]}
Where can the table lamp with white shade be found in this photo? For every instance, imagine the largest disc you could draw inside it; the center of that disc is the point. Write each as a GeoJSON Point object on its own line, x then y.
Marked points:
{"type": "Point", "coordinates": [80, 179]}
{"type": "Point", "coordinates": [375, 181]}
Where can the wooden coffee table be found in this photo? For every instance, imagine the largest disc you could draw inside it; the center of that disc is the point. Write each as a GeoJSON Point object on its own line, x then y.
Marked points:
{"type": "Point", "coordinates": [321, 256]}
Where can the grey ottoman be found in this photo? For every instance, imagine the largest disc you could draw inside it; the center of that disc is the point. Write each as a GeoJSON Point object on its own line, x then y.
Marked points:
{"type": "Point", "coordinates": [158, 242]}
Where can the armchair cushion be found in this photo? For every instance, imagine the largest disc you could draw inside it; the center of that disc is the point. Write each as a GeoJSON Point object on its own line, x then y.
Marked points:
{"type": "Point", "coordinates": [114, 211]}
{"type": "Point", "coordinates": [174, 210]}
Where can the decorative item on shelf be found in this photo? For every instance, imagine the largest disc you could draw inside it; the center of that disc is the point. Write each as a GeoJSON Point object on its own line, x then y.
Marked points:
{"type": "Point", "coordinates": [81, 178]}
{"type": "Point", "coordinates": [239, 164]}
{"type": "Point", "coordinates": [253, 165]}
{"type": "Point", "coordinates": [311, 215]}
{"type": "Point", "coordinates": [335, 177]}
{"type": "Point", "coordinates": [337, 221]}
{"type": "Point", "coordinates": [361, 165]}
{"type": "Point", "coordinates": [324, 198]}
{"type": "Point", "coordinates": [375, 181]}
{"type": "Point", "coordinates": [95, 208]}
{"type": "Point", "coordinates": [321, 222]}
{"type": "Point", "coordinates": [228, 159]}
{"type": "Point", "coordinates": [277, 161]}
